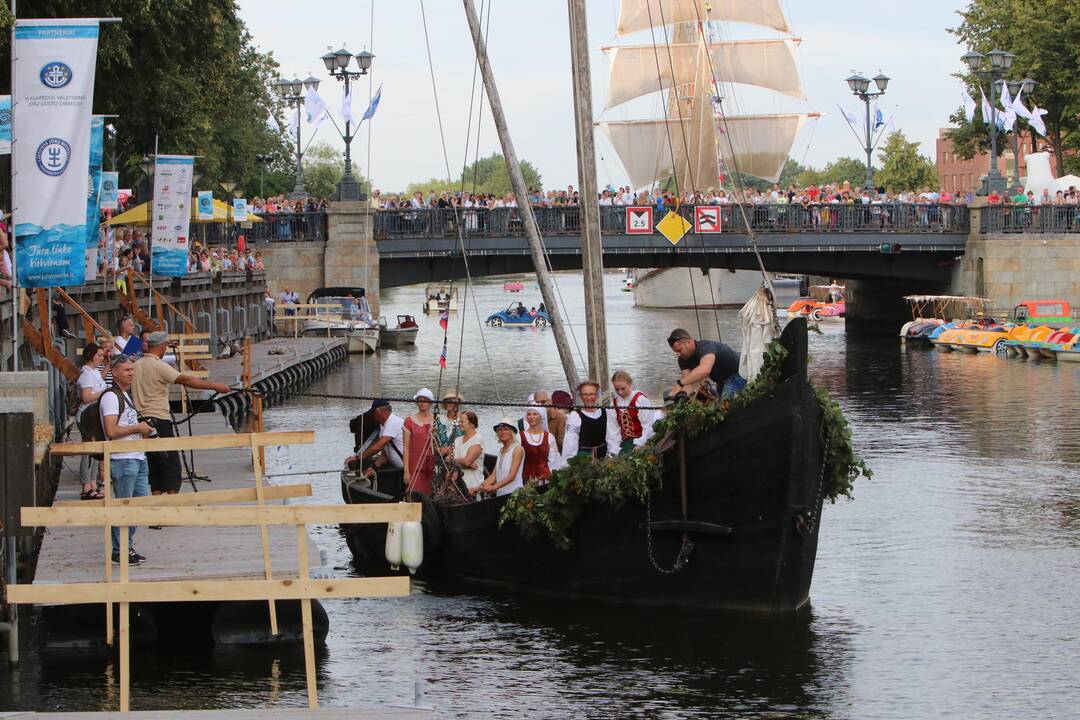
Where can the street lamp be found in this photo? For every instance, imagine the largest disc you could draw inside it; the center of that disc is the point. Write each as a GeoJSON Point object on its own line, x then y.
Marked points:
{"type": "Point", "coordinates": [263, 161]}
{"type": "Point", "coordinates": [860, 87]}
{"type": "Point", "coordinates": [992, 66]}
{"type": "Point", "coordinates": [337, 64]}
{"type": "Point", "coordinates": [146, 167]}
{"type": "Point", "coordinates": [291, 91]}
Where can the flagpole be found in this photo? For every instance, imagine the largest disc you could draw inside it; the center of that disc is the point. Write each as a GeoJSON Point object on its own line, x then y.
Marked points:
{"type": "Point", "coordinates": [150, 236]}
{"type": "Point", "coordinates": [11, 214]}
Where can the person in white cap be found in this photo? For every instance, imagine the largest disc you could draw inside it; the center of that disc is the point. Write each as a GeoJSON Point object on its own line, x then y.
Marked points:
{"type": "Point", "coordinates": [506, 478]}
{"type": "Point", "coordinates": [419, 450]}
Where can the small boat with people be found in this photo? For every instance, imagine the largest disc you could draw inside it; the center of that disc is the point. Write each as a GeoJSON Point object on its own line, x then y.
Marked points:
{"type": "Point", "coordinates": [402, 334]}
{"type": "Point", "coordinates": [1030, 321]}
{"type": "Point", "coordinates": [513, 287]}
{"type": "Point", "coordinates": [440, 297]}
{"type": "Point", "coordinates": [342, 312]}
{"type": "Point", "coordinates": [824, 302]}
{"type": "Point", "coordinates": [516, 314]}
{"type": "Point", "coordinates": [933, 314]}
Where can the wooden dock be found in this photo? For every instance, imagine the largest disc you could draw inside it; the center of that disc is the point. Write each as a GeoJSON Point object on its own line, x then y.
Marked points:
{"type": "Point", "coordinates": [359, 713]}
{"type": "Point", "coordinates": [271, 357]}
{"type": "Point", "coordinates": [73, 554]}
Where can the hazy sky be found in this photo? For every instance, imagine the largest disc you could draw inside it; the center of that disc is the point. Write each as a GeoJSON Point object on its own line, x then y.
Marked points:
{"type": "Point", "coordinates": [529, 50]}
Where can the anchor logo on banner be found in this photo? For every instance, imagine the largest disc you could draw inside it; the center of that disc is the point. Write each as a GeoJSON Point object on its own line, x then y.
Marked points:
{"type": "Point", "coordinates": [53, 155]}
{"type": "Point", "coordinates": [55, 75]}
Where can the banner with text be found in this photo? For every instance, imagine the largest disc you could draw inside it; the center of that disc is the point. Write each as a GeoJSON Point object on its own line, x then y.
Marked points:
{"type": "Point", "coordinates": [109, 194]}
{"type": "Point", "coordinates": [206, 205]}
{"type": "Point", "coordinates": [171, 216]}
{"type": "Point", "coordinates": [93, 195]}
{"type": "Point", "coordinates": [5, 124]}
{"type": "Point", "coordinates": [53, 74]}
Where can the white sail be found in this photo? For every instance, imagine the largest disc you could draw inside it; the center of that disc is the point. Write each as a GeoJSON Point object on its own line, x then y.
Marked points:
{"type": "Point", "coordinates": [759, 146]}
{"type": "Point", "coordinates": [637, 15]}
{"type": "Point", "coordinates": [764, 63]}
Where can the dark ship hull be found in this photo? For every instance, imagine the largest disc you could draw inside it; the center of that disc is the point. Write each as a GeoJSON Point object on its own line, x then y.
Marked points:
{"type": "Point", "coordinates": [747, 496]}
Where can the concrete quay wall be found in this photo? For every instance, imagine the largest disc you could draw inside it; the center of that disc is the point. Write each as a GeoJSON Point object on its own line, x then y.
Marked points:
{"type": "Point", "coordinates": [1010, 268]}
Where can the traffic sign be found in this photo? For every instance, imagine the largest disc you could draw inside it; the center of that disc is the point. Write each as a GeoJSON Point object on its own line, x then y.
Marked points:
{"type": "Point", "coordinates": [707, 219]}
{"type": "Point", "coordinates": [674, 226]}
{"type": "Point", "coordinates": [639, 220]}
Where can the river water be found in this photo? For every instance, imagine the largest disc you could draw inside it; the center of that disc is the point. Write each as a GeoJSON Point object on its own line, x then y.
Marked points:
{"type": "Point", "coordinates": [948, 588]}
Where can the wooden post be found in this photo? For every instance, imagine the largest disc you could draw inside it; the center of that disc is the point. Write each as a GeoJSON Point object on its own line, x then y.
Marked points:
{"type": "Point", "coordinates": [592, 256]}
{"type": "Point", "coordinates": [263, 531]}
{"type": "Point", "coordinates": [125, 627]}
{"type": "Point", "coordinates": [547, 290]}
{"type": "Point", "coordinates": [106, 469]}
{"type": "Point", "coordinates": [305, 617]}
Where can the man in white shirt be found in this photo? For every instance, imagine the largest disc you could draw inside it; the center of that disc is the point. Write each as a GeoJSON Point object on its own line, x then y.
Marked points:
{"type": "Point", "coordinates": [389, 449]}
{"type": "Point", "coordinates": [120, 421]}
{"type": "Point", "coordinates": [588, 433]}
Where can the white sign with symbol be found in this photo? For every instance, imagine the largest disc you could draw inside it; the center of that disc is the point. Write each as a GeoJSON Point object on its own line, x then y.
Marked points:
{"type": "Point", "coordinates": [706, 219]}
{"type": "Point", "coordinates": [639, 220]}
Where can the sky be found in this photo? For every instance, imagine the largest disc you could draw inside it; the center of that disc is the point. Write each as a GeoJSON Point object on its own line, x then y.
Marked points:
{"type": "Point", "coordinates": [529, 50]}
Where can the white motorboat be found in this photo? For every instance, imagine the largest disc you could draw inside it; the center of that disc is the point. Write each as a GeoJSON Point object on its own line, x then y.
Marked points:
{"type": "Point", "coordinates": [401, 335]}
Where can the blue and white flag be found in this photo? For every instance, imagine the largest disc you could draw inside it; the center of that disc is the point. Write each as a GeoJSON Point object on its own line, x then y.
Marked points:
{"type": "Point", "coordinates": [239, 210]}
{"type": "Point", "coordinates": [171, 215]}
{"type": "Point", "coordinates": [205, 204]}
{"type": "Point", "coordinates": [879, 118]}
{"type": "Point", "coordinates": [373, 106]}
{"type": "Point", "coordinates": [315, 106]}
{"type": "Point", "coordinates": [109, 195]}
{"type": "Point", "coordinates": [53, 73]}
{"type": "Point", "coordinates": [93, 194]}
{"type": "Point", "coordinates": [5, 124]}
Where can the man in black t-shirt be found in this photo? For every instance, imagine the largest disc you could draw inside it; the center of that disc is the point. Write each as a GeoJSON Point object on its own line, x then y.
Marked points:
{"type": "Point", "coordinates": [705, 361]}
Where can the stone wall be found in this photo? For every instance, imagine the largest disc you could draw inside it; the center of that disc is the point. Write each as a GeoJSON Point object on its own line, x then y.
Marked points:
{"type": "Point", "coordinates": [1010, 268]}
{"type": "Point", "coordinates": [294, 265]}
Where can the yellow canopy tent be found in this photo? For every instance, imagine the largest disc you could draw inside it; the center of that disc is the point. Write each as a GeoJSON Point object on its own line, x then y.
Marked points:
{"type": "Point", "coordinates": [137, 214]}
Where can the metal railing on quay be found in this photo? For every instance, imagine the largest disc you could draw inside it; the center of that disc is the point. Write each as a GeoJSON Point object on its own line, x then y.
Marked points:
{"type": "Point", "coordinates": [502, 222]}
{"type": "Point", "coordinates": [1029, 219]}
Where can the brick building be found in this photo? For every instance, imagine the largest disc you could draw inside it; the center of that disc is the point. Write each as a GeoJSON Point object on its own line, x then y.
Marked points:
{"type": "Point", "coordinates": [956, 174]}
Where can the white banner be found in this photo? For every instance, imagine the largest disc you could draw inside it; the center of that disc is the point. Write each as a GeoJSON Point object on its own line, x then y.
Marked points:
{"type": "Point", "coordinates": [53, 78]}
{"type": "Point", "coordinates": [171, 214]}
{"type": "Point", "coordinates": [239, 210]}
{"type": "Point", "coordinates": [205, 205]}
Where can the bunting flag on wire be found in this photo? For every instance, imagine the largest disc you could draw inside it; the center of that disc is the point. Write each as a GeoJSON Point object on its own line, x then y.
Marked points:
{"type": "Point", "coordinates": [444, 318]}
{"type": "Point", "coordinates": [442, 357]}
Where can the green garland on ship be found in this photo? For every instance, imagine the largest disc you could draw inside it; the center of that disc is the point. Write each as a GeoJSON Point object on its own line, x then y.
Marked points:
{"type": "Point", "coordinates": [631, 477]}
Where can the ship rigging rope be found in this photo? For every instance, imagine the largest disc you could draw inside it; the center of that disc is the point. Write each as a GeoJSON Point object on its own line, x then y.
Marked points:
{"type": "Point", "coordinates": [479, 403]}
{"type": "Point", "coordinates": [457, 216]}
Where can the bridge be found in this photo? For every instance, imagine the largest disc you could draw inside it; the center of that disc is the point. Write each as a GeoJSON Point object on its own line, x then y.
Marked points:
{"type": "Point", "coordinates": [905, 242]}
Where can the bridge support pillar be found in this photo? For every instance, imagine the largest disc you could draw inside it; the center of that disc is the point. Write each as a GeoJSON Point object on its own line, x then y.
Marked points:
{"type": "Point", "coordinates": [877, 307]}
{"type": "Point", "coordinates": [351, 258]}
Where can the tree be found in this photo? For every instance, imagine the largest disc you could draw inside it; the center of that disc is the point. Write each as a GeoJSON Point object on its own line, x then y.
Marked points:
{"type": "Point", "coordinates": [323, 168]}
{"type": "Point", "coordinates": [184, 73]}
{"type": "Point", "coordinates": [487, 175]}
{"type": "Point", "coordinates": [788, 177]}
{"type": "Point", "coordinates": [1045, 37]}
{"type": "Point", "coordinates": [902, 167]}
{"type": "Point", "coordinates": [837, 172]}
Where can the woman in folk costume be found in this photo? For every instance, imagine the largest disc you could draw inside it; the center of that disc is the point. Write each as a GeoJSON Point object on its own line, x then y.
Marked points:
{"type": "Point", "coordinates": [541, 451]}
{"type": "Point", "coordinates": [629, 422]}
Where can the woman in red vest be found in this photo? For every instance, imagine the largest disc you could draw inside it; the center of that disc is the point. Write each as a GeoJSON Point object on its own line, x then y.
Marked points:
{"type": "Point", "coordinates": [541, 451]}
{"type": "Point", "coordinates": [630, 419]}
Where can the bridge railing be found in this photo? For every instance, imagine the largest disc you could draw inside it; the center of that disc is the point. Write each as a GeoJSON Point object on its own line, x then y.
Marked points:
{"type": "Point", "coordinates": [275, 227]}
{"type": "Point", "coordinates": [501, 222]}
{"type": "Point", "coordinates": [1029, 219]}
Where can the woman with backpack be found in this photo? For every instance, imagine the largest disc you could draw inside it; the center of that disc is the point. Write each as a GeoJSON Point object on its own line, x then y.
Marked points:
{"type": "Point", "coordinates": [91, 385]}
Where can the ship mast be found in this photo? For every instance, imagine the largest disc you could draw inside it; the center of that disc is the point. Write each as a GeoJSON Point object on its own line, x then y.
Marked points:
{"type": "Point", "coordinates": [592, 258]}
{"type": "Point", "coordinates": [521, 195]}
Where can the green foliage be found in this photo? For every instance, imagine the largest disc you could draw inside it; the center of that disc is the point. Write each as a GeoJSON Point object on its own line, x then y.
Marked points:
{"type": "Point", "coordinates": [788, 177]}
{"type": "Point", "coordinates": [1045, 37]}
{"type": "Point", "coordinates": [487, 175]}
{"type": "Point", "coordinates": [902, 167]}
{"type": "Point", "coordinates": [615, 481]}
{"type": "Point", "coordinates": [323, 168]}
{"type": "Point", "coordinates": [186, 71]}
{"type": "Point", "coordinates": [837, 172]}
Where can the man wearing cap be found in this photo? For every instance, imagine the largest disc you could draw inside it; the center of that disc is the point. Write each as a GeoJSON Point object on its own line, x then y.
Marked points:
{"type": "Point", "coordinates": [151, 393]}
{"type": "Point", "coordinates": [389, 448]}
{"type": "Point", "coordinates": [701, 361]}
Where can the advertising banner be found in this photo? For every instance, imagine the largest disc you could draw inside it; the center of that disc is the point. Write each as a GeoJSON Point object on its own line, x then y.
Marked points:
{"type": "Point", "coordinates": [5, 124]}
{"type": "Point", "coordinates": [239, 210]}
{"type": "Point", "coordinates": [206, 205]}
{"type": "Point", "coordinates": [171, 215]}
{"type": "Point", "coordinates": [109, 194]}
{"type": "Point", "coordinates": [93, 190]}
{"type": "Point", "coordinates": [53, 79]}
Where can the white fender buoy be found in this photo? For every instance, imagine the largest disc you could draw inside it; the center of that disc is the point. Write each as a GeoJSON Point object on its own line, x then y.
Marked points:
{"type": "Point", "coordinates": [412, 545]}
{"type": "Point", "coordinates": [393, 544]}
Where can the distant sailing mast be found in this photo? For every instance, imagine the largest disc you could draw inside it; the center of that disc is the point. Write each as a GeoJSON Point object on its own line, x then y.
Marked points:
{"type": "Point", "coordinates": [686, 143]}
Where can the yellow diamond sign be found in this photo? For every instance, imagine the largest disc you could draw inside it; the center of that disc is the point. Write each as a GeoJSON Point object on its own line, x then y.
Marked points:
{"type": "Point", "coordinates": [673, 227]}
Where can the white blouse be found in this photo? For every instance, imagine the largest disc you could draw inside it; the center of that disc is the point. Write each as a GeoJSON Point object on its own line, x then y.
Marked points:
{"type": "Point", "coordinates": [473, 477]}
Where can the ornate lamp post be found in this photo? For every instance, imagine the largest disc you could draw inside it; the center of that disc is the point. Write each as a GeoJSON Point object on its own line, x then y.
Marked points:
{"type": "Point", "coordinates": [860, 88]}
{"type": "Point", "coordinates": [146, 167]}
{"type": "Point", "coordinates": [337, 64]}
{"type": "Point", "coordinates": [992, 66]}
{"type": "Point", "coordinates": [292, 92]}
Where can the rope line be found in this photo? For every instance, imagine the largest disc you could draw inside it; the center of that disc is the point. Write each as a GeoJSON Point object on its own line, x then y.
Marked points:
{"type": "Point", "coordinates": [478, 403]}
